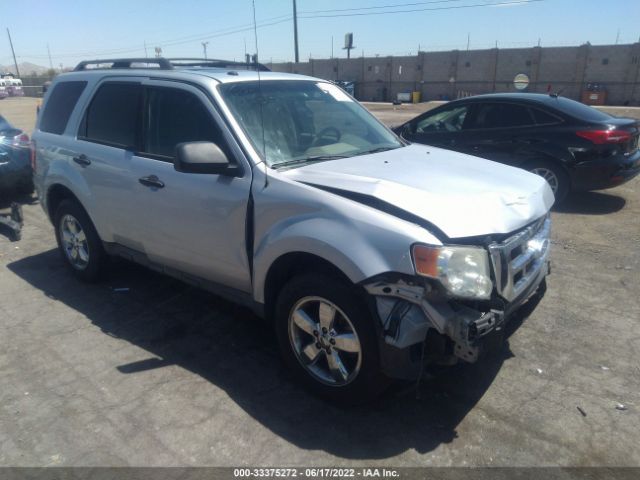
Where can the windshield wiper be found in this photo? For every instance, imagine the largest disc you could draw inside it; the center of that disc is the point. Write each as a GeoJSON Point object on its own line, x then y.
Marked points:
{"type": "Point", "coordinates": [315, 158]}
{"type": "Point", "coordinates": [377, 150]}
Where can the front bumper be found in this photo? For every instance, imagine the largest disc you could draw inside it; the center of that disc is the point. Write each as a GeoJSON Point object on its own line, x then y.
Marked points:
{"type": "Point", "coordinates": [418, 320]}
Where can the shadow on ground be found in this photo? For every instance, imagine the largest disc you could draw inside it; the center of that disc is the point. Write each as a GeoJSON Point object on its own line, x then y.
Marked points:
{"type": "Point", "coordinates": [230, 347]}
{"type": "Point", "coordinates": [591, 203]}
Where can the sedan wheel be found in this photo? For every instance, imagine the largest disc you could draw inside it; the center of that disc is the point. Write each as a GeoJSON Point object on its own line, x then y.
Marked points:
{"type": "Point", "coordinates": [325, 341]}
{"type": "Point", "coordinates": [549, 176]}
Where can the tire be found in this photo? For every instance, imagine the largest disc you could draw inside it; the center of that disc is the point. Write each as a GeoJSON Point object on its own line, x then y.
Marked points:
{"type": "Point", "coordinates": [554, 174]}
{"type": "Point", "coordinates": [90, 257]}
{"type": "Point", "coordinates": [356, 376]}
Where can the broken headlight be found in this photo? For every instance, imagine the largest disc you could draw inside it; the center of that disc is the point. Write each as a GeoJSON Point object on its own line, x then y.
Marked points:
{"type": "Point", "coordinates": [463, 271]}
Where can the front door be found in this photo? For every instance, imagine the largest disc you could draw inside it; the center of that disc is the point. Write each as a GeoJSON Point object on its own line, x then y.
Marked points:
{"type": "Point", "coordinates": [194, 223]}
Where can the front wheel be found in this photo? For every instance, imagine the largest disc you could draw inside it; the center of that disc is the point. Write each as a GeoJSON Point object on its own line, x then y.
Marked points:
{"type": "Point", "coordinates": [328, 339]}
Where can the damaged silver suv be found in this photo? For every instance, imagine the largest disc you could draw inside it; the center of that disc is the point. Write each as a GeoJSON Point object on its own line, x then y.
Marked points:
{"type": "Point", "coordinates": [282, 193]}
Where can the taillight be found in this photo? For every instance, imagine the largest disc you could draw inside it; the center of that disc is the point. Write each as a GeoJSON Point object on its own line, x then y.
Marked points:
{"type": "Point", "coordinates": [32, 155]}
{"type": "Point", "coordinates": [21, 140]}
{"type": "Point", "coordinates": [601, 137]}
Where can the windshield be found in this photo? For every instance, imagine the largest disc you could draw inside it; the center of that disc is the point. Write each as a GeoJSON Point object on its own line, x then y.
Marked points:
{"type": "Point", "coordinates": [304, 121]}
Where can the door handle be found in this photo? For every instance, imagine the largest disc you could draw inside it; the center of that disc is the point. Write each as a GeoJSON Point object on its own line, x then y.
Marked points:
{"type": "Point", "coordinates": [151, 181]}
{"type": "Point", "coordinates": [82, 160]}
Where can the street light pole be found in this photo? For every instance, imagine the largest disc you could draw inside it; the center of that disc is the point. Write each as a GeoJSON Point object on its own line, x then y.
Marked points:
{"type": "Point", "coordinates": [295, 30]}
{"type": "Point", "coordinates": [15, 62]}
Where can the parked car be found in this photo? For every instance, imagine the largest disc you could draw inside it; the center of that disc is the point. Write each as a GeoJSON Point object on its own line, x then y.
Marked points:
{"type": "Point", "coordinates": [14, 87]}
{"type": "Point", "coordinates": [573, 146]}
{"type": "Point", "coordinates": [281, 192]}
{"type": "Point", "coordinates": [16, 175]}
{"type": "Point", "coordinates": [3, 89]}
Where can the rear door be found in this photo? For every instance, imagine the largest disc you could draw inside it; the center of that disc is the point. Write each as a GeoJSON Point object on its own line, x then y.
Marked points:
{"type": "Point", "coordinates": [107, 138]}
{"type": "Point", "coordinates": [499, 131]}
{"type": "Point", "coordinates": [440, 128]}
{"type": "Point", "coordinates": [194, 223]}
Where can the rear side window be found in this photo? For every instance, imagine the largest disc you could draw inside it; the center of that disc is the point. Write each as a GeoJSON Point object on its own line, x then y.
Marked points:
{"type": "Point", "coordinates": [502, 115]}
{"type": "Point", "coordinates": [112, 117]}
{"type": "Point", "coordinates": [62, 100]}
{"type": "Point", "coordinates": [175, 116]}
{"type": "Point", "coordinates": [581, 111]}
{"type": "Point", "coordinates": [544, 118]}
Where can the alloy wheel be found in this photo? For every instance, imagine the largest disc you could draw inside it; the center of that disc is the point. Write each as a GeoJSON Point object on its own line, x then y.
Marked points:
{"type": "Point", "coordinates": [549, 176]}
{"type": "Point", "coordinates": [74, 242]}
{"type": "Point", "coordinates": [325, 341]}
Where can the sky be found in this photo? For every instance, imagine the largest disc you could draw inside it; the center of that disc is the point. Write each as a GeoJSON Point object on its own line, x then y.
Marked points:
{"type": "Point", "coordinates": [85, 29]}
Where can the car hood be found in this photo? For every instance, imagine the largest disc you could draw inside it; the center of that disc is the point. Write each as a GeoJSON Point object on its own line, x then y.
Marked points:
{"type": "Point", "coordinates": [461, 195]}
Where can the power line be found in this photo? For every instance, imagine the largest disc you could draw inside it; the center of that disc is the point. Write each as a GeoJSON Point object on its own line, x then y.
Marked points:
{"type": "Point", "coordinates": [382, 6]}
{"type": "Point", "coordinates": [176, 41]}
{"type": "Point", "coordinates": [515, 2]}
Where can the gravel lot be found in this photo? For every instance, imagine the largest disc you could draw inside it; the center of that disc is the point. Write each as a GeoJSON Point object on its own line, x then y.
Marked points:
{"type": "Point", "coordinates": [164, 374]}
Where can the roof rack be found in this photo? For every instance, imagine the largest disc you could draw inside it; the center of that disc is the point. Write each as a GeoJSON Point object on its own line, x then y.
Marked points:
{"type": "Point", "coordinates": [169, 63]}
{"type": "Point", "coordinates": [216, 63]}
{"type": "Point", "coordinates": [162, 63]}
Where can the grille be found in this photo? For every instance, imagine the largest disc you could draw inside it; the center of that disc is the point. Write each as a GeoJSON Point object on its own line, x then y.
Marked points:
{"type": "Point", "coordinates": [518, 260]}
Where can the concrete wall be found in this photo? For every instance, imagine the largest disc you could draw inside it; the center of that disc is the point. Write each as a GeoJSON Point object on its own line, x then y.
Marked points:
{"type": "Point", "coordinates": [446, 75]}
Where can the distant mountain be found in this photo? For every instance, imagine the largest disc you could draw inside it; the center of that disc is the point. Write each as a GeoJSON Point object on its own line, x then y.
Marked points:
{"type": "Point", "coordinates": [27, 69]}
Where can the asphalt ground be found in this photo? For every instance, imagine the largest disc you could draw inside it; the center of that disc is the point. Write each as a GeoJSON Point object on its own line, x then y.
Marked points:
{"type": "Point", "coordinates": [162, 374]}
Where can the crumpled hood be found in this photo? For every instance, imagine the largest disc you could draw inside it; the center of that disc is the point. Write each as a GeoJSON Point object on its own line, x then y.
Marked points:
{"type": "Point", "coordinates": [460, 194]}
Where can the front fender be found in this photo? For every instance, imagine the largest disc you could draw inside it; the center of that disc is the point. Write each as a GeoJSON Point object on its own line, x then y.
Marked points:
{"type": "Point", "coordinates": [357, 239]}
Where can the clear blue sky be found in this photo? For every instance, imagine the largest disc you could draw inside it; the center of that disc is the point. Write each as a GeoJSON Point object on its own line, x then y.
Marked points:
{"type": "Point", "coordinates": [77, 29]}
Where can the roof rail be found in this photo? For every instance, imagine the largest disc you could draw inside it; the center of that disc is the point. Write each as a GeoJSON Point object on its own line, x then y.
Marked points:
{"type": "Point", "coordinates": [163, 63]}
{"type": "Point", "coordinates": [216, 63]}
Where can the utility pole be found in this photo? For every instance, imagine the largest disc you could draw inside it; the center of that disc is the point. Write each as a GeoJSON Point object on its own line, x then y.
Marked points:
{"type": "Point", "coordinates": [468, 40]}
{"type": "Point", "coordinates": [331, 46]}
{"type": "Point", "coordinates": [617, 36]}
{"type": "Point", "coordinates": [15, 62]}
{"type": "Point", "coordinates": [204, 46]}
{"type": "Point", "coordinates": [50, 62]}
{"type": "Point", "coordinates": [145, 50]}
{"type": "Point", "coordinates": [295, 30]}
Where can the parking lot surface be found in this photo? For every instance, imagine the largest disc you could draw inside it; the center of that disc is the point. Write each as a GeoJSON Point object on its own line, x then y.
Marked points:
{"type": "Point", "coordinates": [143, 370]}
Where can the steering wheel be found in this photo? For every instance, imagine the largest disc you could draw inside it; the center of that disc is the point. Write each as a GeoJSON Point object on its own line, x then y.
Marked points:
{"type": "Point", "coordinates": [327, 133]}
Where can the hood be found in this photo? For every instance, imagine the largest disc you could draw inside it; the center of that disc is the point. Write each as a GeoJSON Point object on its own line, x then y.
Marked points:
{"type": "Point", "coordinates": [461, 195]}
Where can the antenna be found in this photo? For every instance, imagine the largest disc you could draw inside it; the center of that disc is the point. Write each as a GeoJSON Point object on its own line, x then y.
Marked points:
{"type": "Point", "coordinates": [260, 99]}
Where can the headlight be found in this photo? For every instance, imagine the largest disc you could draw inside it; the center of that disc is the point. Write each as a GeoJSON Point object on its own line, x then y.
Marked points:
{"type": "Point", "coordinates": [464, 271]}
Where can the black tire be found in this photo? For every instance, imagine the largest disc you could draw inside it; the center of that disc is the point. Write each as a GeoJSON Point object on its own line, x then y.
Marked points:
{"type": "Point", "coordinates": [563, 181]}
{"type": "Point", "coordinates": [94, 267]}
{"type": "Point", "coordinates": [369, 381]}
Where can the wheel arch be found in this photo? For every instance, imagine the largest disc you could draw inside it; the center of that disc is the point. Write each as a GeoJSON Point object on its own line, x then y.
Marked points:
{"type": "Point", "coordinates": [288, 266]}
{"type": "Point", "coordinates": [55, 195]}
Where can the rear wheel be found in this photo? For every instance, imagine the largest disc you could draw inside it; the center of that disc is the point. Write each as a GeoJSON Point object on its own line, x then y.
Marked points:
{"type": "Point", "coordinates": [555, 176]}
{"type": "Point", "coordinates": [78, 241]}
{"type": "Point", "coordinates": [327, 338]}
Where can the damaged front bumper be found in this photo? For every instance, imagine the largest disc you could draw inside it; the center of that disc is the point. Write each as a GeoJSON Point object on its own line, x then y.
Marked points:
{"type": "Point", "coordinates": [419, 322]}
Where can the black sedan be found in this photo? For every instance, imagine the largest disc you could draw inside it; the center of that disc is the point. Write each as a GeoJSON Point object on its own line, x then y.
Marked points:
{"type": "Point", "coordinates": [573, 146]}
{"type": "Point", "coordinates": [15, 160]}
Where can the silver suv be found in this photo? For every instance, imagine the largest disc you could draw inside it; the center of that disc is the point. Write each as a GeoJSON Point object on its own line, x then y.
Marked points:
{"type": "Point", "coordinates": [281, 192]}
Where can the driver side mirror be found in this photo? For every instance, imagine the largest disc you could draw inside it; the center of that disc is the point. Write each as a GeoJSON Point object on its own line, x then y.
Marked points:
{"type": "Point", "coordinates": [203, 157]}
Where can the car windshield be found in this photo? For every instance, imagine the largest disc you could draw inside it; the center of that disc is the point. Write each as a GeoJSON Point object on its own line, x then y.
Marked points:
{"type": "Point", "coordinates": [298, 122]}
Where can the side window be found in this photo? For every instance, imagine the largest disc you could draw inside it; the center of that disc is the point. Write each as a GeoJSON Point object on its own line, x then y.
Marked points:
{"type": "Point", "coordinates": [113, 115]}
{"type": "Point", "coordinates": [502, 115]}
{"type": "Point", "coordinates": [449, 120]}
{"type": "Point", "coordinates": [544, 118]}
{"type": "Point", "coordinates": [175, 116]}
{"type": "Point", "coordinates": [62, 100]}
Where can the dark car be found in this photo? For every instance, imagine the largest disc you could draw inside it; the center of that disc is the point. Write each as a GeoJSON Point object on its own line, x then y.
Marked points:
{"type": "Point", "coordinates": [16, 174]}
{"type": "Point", "coordinates": [573, 146]}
